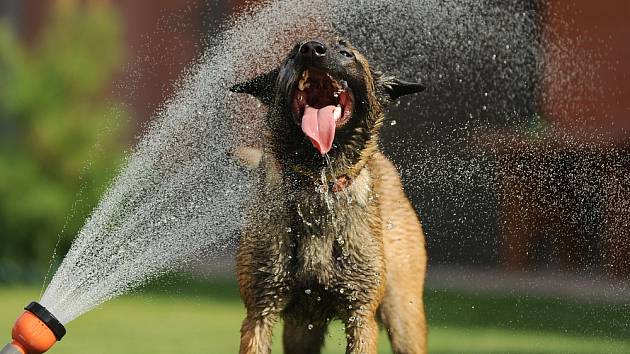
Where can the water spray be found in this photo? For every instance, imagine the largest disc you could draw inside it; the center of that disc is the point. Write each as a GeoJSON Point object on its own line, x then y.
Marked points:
{"type": "Point", "coordinates": [35, 331]}
{"type": "Point", "coordinates": [180, 195]}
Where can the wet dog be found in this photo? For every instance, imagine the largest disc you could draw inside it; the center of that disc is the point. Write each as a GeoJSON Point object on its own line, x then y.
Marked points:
{"type": "Point", "coordinates": [332, 234]}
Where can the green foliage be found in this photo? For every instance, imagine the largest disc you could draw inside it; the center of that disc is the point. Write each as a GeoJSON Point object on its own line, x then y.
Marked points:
{"type": "Point", "coordinates": [60, 137]}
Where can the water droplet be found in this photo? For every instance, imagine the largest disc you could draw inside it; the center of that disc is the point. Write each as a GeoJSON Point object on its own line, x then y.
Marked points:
{"type": "Point", "coordinates": [389, 225]}
{"type": "Point", "coordinates": [176, 233]}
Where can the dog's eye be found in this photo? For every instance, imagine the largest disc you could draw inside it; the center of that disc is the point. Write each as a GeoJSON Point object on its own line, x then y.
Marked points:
{"type": "Point", "coordinates": [346, 53]}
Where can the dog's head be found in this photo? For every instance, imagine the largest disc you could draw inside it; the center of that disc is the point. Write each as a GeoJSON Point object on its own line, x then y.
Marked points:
{"type": "Point", "coordinates": [325, 99]}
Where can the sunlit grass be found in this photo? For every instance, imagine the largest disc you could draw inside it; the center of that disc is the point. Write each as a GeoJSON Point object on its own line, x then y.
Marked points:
{"type": "Point", "coordinates": [208, 321]}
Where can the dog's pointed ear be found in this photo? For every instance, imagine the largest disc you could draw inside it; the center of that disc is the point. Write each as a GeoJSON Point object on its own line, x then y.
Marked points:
{"type": "Point", "coordinates": [261, 87]}
{"type": "Point", "coordinates": [394, 88]}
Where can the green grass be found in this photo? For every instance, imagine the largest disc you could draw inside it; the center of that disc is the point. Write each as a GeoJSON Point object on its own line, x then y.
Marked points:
{"type": "Point", "coordinates": [206, 319]}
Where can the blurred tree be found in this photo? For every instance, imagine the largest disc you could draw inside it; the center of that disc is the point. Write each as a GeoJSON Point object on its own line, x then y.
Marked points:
{"type": "Point", "coordinates": [61, 136]}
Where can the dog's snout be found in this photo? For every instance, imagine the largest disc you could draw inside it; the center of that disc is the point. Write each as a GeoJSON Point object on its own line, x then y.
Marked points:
{"type": "Point", "coordinates": [313, 50]}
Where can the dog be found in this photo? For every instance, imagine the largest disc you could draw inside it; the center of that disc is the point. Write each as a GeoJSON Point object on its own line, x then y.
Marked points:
{"type": "Point", "coordinates": [331, 234]}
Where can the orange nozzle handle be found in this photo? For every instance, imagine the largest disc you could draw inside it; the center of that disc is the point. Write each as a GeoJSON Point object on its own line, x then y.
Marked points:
{"type": "Point", "coordinates": [36, 330]}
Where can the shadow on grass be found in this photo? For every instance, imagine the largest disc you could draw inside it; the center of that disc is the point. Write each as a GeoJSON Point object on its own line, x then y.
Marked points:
{"type": "Point", "coordinates": [486, 352]}
{"type": "Point", "coordinates": [555, 315]}
{"type": "Point", "coordinates": [448, 308]}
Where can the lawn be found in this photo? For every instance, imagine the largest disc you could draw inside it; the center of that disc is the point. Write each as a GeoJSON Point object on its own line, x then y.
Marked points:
{"type": "Point", "coordinates": [205, 318]}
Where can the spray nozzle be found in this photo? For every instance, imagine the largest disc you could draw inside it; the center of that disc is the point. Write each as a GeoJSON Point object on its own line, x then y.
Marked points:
{"type": "Point", "coordinates": [35, 331]}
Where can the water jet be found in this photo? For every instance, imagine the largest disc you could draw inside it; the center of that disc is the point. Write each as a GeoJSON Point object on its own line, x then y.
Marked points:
{"type": "Point", "coordinates": [34, 332]}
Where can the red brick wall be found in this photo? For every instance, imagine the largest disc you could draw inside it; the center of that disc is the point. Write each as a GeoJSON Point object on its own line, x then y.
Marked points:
{"type": "Point", "coordinates": [600, 32]}
{"type": "Point", "coordinates": [163, 37]}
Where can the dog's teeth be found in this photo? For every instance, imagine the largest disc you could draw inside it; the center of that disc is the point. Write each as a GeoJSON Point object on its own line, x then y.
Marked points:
{"type": "Point", "coordinates": [300, 97]}
{"type": "Point", "coordinates": [336, 84]}
{"type": "Point", "coordinates": [303, 83]}
{"type": "Point", "coordinates": [337, 113]}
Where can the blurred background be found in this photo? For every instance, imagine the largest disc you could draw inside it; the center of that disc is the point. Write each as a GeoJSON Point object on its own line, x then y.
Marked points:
{"type": "Point", "coordinates": [529, 241]}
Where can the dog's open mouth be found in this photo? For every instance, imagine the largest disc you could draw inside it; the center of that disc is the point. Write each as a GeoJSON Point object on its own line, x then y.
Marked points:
{"type": "Point", "coordinates": [320, 105]}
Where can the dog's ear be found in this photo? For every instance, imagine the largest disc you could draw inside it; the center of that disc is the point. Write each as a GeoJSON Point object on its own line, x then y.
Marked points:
{"type": "Point", "coordinates": [261, 87]}
{"type": "Point", "coordinates": [394, 88]}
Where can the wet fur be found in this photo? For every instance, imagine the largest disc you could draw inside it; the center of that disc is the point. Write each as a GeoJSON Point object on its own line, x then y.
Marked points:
{"type": "Point", "coordinates": [311, 257]}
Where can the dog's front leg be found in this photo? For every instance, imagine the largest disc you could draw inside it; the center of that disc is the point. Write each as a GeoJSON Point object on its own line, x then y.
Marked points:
{"type": "Point", "coordinates": [264, 300]}
{"type": "Point", "coordinates": [262, 275]}
{"type": "Point", "coordinates": [362, 333]}
{"type": "Point", "coordinates": [256, 333]}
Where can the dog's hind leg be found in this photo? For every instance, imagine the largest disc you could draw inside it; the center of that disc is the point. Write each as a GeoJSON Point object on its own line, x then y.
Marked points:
{"type": "Point", "coordinates": [303, 338]}
{"type": "Point", "coordinates": [402, 307]}
{"type": "Point", "coordinates": [404, 321]}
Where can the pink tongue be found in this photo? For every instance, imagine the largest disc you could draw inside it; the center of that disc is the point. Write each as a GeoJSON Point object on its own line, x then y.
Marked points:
{"type": "Point", "coordinates": [319, 126]}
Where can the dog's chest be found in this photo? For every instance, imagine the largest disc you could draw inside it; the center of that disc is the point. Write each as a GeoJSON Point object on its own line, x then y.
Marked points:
{"type": "Point", "coordinates": [328, 230]}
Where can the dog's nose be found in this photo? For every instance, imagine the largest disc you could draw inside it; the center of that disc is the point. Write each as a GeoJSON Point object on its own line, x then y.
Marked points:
{"type": "Point", "coordinates": [313, 50]}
